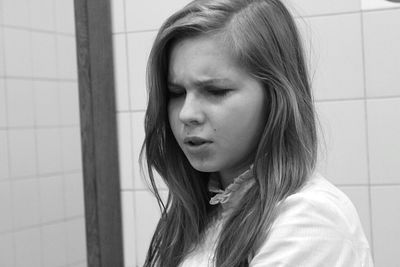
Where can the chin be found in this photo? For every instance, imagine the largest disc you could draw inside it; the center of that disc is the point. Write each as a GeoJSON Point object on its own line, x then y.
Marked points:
{"type": "Point", "coordinates": [204, 167]}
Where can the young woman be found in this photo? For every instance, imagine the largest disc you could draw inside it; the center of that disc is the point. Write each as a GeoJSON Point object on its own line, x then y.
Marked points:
{"type": "Point", "coordinates": [230, 128]}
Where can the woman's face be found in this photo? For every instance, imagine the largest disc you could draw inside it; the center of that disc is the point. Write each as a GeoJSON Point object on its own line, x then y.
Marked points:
{"type": "Point", "coordinates": [216, 109]}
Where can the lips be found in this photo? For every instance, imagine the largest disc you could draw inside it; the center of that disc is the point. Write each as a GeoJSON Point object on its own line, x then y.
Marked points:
{"type": "Point", "coordinates": [195, 141]}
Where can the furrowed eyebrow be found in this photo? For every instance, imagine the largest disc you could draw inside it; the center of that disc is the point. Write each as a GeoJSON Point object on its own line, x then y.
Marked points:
{"type": "Point", "coordinates": [211, 82]}
{"type": "Point", "coordinates": [174, 85]}
{"type": "Point", "coordinates": [203, 83]}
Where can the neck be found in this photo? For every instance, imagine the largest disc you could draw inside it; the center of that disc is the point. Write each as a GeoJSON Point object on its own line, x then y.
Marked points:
{"type": "Point", "coordinates": [227, 177]}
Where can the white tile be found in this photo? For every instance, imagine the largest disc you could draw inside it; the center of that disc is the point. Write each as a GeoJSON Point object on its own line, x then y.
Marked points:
{"type": "Point", "coordinates": [3, 103]}
{"type": "Point", "coordinates": [49, 150]}
{"type": "Point", "coordinates": [42, 15]}
{"type": "Point", "coordinates": [74, 198]}
{"type": "Point", "coordinates": [44, 55]}
{"type": "Point", "coordinates": [344, 160]}
{"type": "Point", "coordinates": [383, 138]}
{"type": "Point", "coordinates": [71, 148]}
{"type": "Point", "coordinates": [17, 51]}
{"type": "Point", "coordinates": [26, 202]}
{"type": "Point", "coordinates": [128, 226]}
{"type": "Point", "coordinates": [378, 4]}
{"type": "Point", "coordinates": [137, 140]}
{"type": "Point", "coordinates": [125, 150]}
{"type": "Point", "coordinates": [386, 221]}
{"type": "Point", "coordinates": [51, 198]}
{"type": "Point", "coordinates": [66, 57]}
{"type": "Point", "coordinates": [360, 197]}
{"type": "Point", "coordinates": [333, 48]}
{"type": "Point", "coordinates": [2, 58]}
{"type": "Point", "coordinates": [7, 252]}
{"type": "Point", "coordinates": [28, 248]}
{"type": "Point", "coordinates": [4, 169]}
{"type": "Point", "coordinates": [118, 16]}
{"type": "Point", "coordinates": [16, 12]}
{"type": "Point", "coordinates": [20, 103]}
{"type": "Point", "coordinates": [149, 15]}
{"type": "Point", "coordinates": [54, 245]}
{"type": "Point", "coordinates": [69, 103]}
{"type": "Point", "coordinates": [46, 103]}
{"type": "Point", "coordinates": [320, 7]}
{"type": "Point", "coordinates": [139, 46]}
{"type": "Point", "coordinates": [147, 216]}
{"type": "Point", "coordinates": [382, 54]}
{"type": "Point", "coordinates": [121, 72]}
{"type": "Point", "coordinates": [65, 15]}
{"type": "Point", "coordinates": [6, 211]}
{"type": "Point", "coordinates": [76, 240]}
{"type": "Point", "coordinates": [22, 153]}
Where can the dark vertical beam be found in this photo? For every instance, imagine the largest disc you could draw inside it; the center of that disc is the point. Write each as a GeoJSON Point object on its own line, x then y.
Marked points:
{"type": "Point", "coordinates": [99, 133]}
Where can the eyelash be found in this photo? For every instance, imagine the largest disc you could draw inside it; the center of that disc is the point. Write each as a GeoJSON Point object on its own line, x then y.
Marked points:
{"type": "Point", "coordinates": [219, 92]}
{"type": "Point", "coordinates": [175, 94]}
{"type": "Point", "coordinates": [215, 93]}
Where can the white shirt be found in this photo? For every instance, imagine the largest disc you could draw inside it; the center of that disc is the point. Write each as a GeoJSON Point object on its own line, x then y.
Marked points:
{"type": "Point", "coordinates": [315, 227]}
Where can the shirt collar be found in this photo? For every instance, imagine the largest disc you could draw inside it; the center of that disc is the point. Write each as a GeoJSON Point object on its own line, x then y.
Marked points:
{"type": "Point", "coordinates": [233, 192]}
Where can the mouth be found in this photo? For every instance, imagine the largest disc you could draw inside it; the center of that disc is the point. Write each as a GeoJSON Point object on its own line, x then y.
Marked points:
{"type": "Point", "coordinates": [195, 141]}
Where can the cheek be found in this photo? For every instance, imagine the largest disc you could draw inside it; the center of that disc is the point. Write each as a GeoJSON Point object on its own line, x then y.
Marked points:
{"type": "Point", "coordinates": [242, 126]}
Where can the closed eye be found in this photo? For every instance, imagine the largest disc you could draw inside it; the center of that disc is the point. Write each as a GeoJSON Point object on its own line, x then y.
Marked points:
{"type": "Point", "coordinates": [175, 91]}
{"type": "Point", "coordinates": [218, 92]}
{"type": "Point", "coordinates": [175, 94]}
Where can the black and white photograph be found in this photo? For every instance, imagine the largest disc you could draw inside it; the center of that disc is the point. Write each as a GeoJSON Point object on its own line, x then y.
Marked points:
{"type": "Point", "coordinates": [199, 133]}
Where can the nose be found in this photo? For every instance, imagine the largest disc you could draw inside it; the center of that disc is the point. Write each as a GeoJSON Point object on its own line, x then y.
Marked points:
{"type": "Point", "coordinates": [191, 112]}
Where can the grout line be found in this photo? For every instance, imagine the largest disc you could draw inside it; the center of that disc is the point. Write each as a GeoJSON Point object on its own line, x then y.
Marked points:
{"type": "Point", "coordinates": [63, 172]}
{"type": "Point", "coordinates": [37, 171]}
{"type": "Point", "coordinates": [366, 134]}
{"type": "Point", "coordinates": [296, 16]}
{"type": "Point", "coordinates": [12, 189]}
{"type": "Point", "coordinates": [1, 12]}
{"type": "Point", "coordinates": [360, 10]}
{"type": "Point", "coordinates": [132, 135]}
{"type": "Point", "coordinates": [368, 185]}
{"type": "Point", "coordinates": [75, 263]}
{"type": "Point", "coordinates": [45, 175]}
{"type": "Point", "coordinates": [41, 224]}
{"type": "Point", "coordinates": [37, 78]}
{"type": "Point", "coordinates": [41, 127]}
{"type": "Point", "coordinates": [138, 31]}
{"type": "Point", "coordinates": [14, 246]}
{"type": "Point", "coordinates": [387, 184]}
{"type": "Point", "coordinates": [358, 98]}
{"type": "Point", "coordinates": [15, 27]}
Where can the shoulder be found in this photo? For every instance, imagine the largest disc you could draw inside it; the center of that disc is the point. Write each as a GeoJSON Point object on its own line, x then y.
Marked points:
{"type": "Point", "coordinates": [317, 226]}
{"type": "Point", "coordinates": [320, 205]}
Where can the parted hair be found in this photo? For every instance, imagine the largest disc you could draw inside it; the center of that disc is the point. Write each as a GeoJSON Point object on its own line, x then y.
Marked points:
{"type": "Point", "coordinates": [264, 39]}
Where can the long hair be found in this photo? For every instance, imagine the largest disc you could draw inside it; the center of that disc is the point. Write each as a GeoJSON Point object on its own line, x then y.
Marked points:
{"type": "Point", "coordinates": [262, 35]}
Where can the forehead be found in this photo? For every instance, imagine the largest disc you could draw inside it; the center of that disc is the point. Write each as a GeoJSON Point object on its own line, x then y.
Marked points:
{"type": "Point", "coordinates": [202, 57]}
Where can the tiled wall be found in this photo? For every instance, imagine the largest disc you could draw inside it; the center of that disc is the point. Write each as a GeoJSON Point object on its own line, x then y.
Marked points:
{"type": "Point", "coordinates": [353, 49]}
{"type": "Point", "coordinates": [41, 196]}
